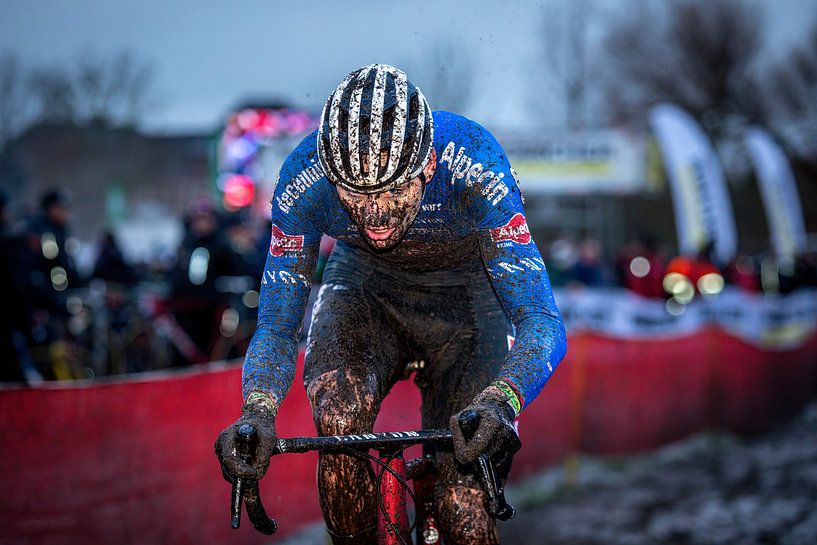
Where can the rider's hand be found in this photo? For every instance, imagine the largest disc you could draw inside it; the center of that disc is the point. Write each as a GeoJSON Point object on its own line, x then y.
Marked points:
{"type": "Point", "coordinates": [495, 435]}
{"type": "Point", "coordinates": [261, 414]}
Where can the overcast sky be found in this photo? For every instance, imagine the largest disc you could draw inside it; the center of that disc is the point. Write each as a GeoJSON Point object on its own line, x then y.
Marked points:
{"type": "Point", "coordinates": [210, 55]}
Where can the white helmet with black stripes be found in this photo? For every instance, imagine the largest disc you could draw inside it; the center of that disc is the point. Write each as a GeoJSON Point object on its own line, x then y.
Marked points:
{"type": "Point", "coordinates": [376, 130]}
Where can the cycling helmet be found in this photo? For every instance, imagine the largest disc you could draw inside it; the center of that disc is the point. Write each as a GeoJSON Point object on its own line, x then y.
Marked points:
{"type": "Point", "coordinates": [375, 110]}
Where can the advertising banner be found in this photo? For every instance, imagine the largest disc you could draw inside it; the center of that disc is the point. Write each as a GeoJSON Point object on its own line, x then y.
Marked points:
{"type": "Point", "coordinates": [703, 211]}
{"type": "Point", "coordinates": [779, 192]}
{"type": "Point", "coordinates": [610, 161]}
{"type": "Point", "coordinates": [773, 323]}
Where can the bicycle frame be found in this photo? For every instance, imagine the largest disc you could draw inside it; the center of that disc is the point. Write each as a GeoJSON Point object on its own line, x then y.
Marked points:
{"type": "Point", "coordinates": [393, 525]}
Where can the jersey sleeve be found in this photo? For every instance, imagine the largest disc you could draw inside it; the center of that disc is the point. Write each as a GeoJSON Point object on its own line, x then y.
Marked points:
{"type": "Point", "coordinates": [517, 272]}
{"type": "Point", "coordinates": [269, 365]}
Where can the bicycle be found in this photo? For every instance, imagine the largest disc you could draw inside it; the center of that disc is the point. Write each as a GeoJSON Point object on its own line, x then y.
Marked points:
{"type": "Point", "coordinates": [392, 480]}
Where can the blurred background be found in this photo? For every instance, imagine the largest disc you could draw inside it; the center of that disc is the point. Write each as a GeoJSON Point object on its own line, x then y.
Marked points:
{"type": "Point", "coordinates": [667, 153]}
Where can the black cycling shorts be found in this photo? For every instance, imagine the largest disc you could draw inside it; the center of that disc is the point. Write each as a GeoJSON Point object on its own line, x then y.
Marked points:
{"type": "Point", "coordinates": [370, 321]}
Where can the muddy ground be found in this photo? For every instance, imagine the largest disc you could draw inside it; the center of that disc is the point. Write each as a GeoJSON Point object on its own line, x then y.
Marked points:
{"type": "Point", "coordinates": [712, 489]}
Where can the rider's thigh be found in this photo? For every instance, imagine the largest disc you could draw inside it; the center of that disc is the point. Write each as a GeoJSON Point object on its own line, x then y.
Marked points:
{"type": "Point", "coordinates": [464, 517]}
{"type": "Point", "coordinates": [352, 359]}
{"type": "Point", "coordinates": [469, 361]}
{"type": "Point", "coordinates": [461, 370]}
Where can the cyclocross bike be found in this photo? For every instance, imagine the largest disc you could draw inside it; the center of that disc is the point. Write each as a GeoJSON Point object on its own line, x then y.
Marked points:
{"type": "Point", "coordinates": [392, 478]}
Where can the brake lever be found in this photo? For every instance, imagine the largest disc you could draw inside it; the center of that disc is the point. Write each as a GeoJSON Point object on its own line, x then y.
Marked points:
{"type": "Point", "coordinates": [497, 506]}
{"type": "Point", "coordinates": [246, 490]}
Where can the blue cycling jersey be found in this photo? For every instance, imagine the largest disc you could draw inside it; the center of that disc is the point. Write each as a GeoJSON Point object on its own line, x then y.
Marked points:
{"type": "Point", "coordinates": [471, 205]}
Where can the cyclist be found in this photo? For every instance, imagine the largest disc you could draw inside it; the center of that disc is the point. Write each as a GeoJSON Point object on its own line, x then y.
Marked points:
{"type": "Point", "coordinates": [433, 263]}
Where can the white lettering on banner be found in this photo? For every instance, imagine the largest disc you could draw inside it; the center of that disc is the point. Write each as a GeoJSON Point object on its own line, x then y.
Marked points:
{"type": "Point", "coordinates": [778, 323]}
{"type": "Point", "coordinates": [462, 167]}
{"type": "Point", "coordinates": [298, 185]}
{"type": "Point", "coordinates": [273, 277]}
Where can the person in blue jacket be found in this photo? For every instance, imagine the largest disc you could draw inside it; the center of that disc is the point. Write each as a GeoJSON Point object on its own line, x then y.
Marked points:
{"type": "Point", "coordinates": [434, 265]}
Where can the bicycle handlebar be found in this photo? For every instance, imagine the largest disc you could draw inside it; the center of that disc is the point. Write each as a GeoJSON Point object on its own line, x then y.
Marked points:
{"type": "Point", "coordinates": [246, 490]}
{"type": "Point", "coordinates": [364, 441]}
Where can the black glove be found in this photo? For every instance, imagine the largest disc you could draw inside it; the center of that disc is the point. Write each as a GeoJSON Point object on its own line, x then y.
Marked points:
{"type": "Point", "coordinates": [495, 435]}
{"type": "Point", "coordinates": [263, 418]}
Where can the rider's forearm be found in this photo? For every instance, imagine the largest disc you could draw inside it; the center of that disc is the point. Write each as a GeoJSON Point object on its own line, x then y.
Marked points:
{"type": "Point", "coordinates": [269, 367]}
{"type": "Point", "coordinates": [540, 345]}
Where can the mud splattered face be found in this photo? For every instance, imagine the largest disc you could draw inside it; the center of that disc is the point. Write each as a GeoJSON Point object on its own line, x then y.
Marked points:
{"type": "Point", "coordinates": [384, 218]}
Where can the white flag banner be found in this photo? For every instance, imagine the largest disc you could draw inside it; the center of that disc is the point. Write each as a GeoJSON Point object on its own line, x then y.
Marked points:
{"type": "Point", "coordinates": [703, 211]}
{"type": "Point", "coordinates": [779, 192]}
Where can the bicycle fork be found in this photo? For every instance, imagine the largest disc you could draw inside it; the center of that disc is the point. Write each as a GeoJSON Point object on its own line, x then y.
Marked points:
{"type": "Point", "coordinates": [392, 518]}
{"type": "Point", "coordinates": [427, 531]}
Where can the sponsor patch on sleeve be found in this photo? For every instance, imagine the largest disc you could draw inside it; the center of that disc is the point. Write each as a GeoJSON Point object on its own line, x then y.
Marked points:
{"type": "Point", "coordinates": [516, 230]}
{"type": "Point", "coordinates": [283, 243]}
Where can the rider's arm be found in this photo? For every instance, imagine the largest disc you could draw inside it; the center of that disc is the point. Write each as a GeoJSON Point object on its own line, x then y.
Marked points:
{"type": "Point", "coordinates": [520, 279]}
{"type": "Point", "coordinates": [269, 367]}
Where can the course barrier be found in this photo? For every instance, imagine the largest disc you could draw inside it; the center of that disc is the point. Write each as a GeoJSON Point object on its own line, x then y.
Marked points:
{"type": "Point", "coordinates": [131, 461]}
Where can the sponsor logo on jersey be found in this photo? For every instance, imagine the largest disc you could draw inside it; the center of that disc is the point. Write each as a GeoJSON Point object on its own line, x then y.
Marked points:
{"type": "Point", "coordinates": [516, 230]}
{"type": "Point", "coordinates": [462, 167]}
{"type": "Point", "coordinates": [282, 243]}
{"type": "Point", "coordinates": [297, 186]}
{"type": "Point", "coordinates": [274, 277]}
{"type": "Point", "coordinates": [521, 265]}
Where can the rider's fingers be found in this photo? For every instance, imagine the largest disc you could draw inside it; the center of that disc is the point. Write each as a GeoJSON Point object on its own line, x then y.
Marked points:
{"type": "Point", "coordinates": [237, 468]}
{"type": "Point", "coordinates": [225, 445]}
{"type": "Point", "coordinates": [224, 473]}
{"type": "Point", "coordinates": [462, 448]}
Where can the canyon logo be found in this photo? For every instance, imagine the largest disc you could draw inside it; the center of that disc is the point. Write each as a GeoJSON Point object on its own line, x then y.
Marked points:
{"type": "Point", "coordinates": [282, 242]}
{"type": "Point", "coordinates": [516, 230]}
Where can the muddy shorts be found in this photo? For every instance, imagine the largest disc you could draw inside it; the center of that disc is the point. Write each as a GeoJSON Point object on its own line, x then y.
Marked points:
{"type": "Point", "coordinates": [370, 321]}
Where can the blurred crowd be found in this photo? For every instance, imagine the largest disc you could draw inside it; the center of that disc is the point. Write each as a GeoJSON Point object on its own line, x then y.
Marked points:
{"type": "Point", "coordinates": [115, 317]}
{"type": "Point", "coordinates": [644, 267]}
{"type": "Point", "coordinates": [119, 317]}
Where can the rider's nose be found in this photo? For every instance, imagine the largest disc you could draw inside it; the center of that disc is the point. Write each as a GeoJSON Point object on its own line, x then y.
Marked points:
{"type": "Point", "coordinates": [371, 207]}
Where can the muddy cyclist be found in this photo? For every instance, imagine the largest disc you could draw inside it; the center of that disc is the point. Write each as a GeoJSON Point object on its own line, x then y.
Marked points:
{"type": "Point", "coordinates": [434, 263]}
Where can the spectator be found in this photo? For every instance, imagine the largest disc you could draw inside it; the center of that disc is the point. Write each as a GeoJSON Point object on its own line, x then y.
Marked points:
{"type": "Point", "coordinates": [51, 256]}
{"type": "Point", "coordinates": [111, 266]}
{"type": "Point", "coordinates": [640, 268]}
{"type": "Point", "coordinates": [245, 255]}
{"type": "Point", "coordinates": [691, 269]}
{"type": "Point", "coordinates": [15, 320]}
{"type": "Point", "coordinates": [561, 259]}
{"type": "Point", "coordinates": [801, 273]}
{"type": "Point", "coordinates": [744, 273]}
{"type": "Point", "coordinates": [589, 270]}
{"type": "Point", "coordinates": [204, 256]}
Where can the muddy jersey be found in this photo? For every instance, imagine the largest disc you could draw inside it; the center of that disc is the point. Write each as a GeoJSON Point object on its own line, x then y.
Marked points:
{"type": "Point", "coordinates": [471, 206]}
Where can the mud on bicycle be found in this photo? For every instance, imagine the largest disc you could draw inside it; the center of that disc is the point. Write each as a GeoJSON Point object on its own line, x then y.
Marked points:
{"type": "Point", "coordinates": [395, 472]}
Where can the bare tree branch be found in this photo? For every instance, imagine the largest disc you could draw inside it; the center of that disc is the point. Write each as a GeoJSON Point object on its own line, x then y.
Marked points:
{"type": "Point", "coordinates": [699, 54]}
{"type": "Point", "coordinates": [14, 106]}
{"type": "Point", "coordinates": [447, 79]}
{"type": "Point", "coordinates": [53, 90]}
